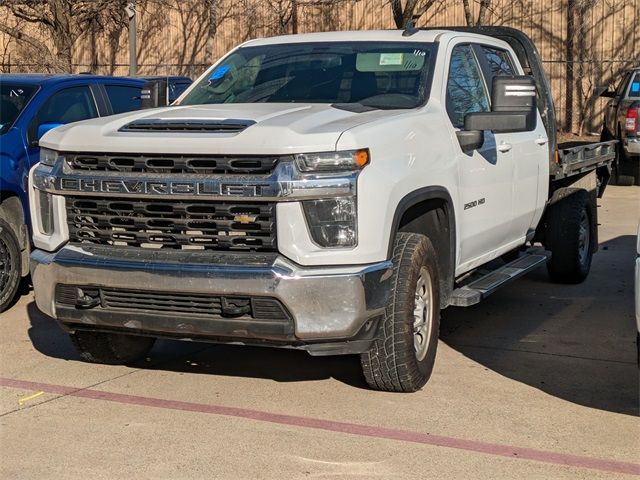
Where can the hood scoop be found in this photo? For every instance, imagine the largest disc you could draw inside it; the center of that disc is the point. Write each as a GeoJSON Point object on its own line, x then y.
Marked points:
{"type": "Point", "coordinates": [228, 125]}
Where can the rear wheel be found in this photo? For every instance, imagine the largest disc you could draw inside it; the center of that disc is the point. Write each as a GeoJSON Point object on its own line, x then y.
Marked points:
{"type": "Point", "coordinates": [402, 356]}
{"type": "Point", "coordinates": [111, 348]}
{"type": "Point", "coordinates": [569, 238]}
{"type": "Point", "coordinates": [10, 265]}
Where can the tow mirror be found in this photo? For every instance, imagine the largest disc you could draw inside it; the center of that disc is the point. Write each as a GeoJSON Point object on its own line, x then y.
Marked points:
{"type": "Point", "coordinates": [154, 94]}
{"type": "Point", "coordinates": [470, 140]}
{"type": "Point", "coordinates": [513, 107]}
{"type": "Point", "coordinates": [603, 92]}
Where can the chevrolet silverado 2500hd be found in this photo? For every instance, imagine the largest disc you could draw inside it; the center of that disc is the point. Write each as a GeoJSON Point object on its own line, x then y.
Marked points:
{"type": "Point", "coordinates": [329, 192]}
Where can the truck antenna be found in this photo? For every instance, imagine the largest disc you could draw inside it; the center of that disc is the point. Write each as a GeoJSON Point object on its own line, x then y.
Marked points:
{"type": "Point", "coordinates": [410, 28]}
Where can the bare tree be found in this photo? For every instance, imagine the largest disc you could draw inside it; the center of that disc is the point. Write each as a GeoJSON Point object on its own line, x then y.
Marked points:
{"type": "Point", "coordinates": [482, 12]}
{"type": "Point", "coordinates": [409, 10]}
{"type": "Point", "coordinates": [284, 12]}
{"type": "Point", "coordinates": [63, 20]}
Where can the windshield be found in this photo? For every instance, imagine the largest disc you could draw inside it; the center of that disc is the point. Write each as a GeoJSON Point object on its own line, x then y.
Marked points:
{"type": "Point", "coordinates": [373, 74]}
{"type": "Point", "coordinates": [13, 99]}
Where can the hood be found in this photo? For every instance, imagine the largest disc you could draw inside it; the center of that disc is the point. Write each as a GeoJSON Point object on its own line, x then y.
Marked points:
{"type": "Point", "coordinates": [266, 128]}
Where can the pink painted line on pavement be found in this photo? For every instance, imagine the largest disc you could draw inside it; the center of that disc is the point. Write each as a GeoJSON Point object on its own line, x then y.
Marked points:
{"type": "Point", "coordinates": [335, 426]}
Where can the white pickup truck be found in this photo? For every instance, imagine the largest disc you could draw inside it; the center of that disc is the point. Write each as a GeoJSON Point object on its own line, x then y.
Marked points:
{"type": "Point", "coordinates": [330, 192]}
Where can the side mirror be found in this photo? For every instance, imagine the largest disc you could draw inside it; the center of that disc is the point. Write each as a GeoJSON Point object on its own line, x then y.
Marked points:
{"type": "Point", "coordinates": [603, 92]}
{"type": "Point", "coordinates": [42, 129]}
{"type": "Point", "coordinates": [513, 107]}
{"type": "Point", "coordinates": [470, 140]}
{"type": "Point", "coordinates": [153, 94]}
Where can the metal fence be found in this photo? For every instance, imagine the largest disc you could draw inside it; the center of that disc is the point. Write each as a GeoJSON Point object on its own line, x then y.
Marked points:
{"type": "Point", "coordinates": [583, 43]}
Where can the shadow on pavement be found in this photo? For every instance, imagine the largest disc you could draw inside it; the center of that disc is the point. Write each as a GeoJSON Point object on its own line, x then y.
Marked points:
{"type": "Point", "coordinates": [575, 342]}
{"type": "Point", "coordinates": [280, 365]}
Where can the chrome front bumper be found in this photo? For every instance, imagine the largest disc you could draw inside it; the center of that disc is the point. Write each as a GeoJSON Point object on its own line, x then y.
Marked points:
{"type": "Point", "coordinates": [330, 306]}
{"type": "Point", "coordinates": [632, 145]}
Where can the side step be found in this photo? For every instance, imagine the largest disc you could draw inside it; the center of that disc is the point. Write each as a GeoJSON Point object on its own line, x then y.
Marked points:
{"type": "Point", "coordinates": [480, 287]}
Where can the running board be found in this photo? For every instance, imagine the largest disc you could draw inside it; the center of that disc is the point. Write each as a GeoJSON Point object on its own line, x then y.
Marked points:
{"type": "Point", "coordinates": [481, 287]}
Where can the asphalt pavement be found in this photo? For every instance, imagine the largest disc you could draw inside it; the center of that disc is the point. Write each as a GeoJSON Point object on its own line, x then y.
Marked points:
{"type": "Point", "coordinates": [538, 381]}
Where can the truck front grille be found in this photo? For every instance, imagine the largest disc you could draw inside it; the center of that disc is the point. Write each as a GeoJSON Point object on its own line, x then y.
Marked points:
{"type": "Point", "coordinates": [203, 225]}
{"type": "Point", "coordinates": [201, 164]}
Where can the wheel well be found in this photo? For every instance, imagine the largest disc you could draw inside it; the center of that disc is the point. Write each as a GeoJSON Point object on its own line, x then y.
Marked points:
{"type": "Point", "coordinates": [11, 212]}
{"type": "Point", "coordinates": [433, 217]}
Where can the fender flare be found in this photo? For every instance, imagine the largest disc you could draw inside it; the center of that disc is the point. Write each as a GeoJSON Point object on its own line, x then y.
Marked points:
{"type": "Point", "coordinates": [415, 197]}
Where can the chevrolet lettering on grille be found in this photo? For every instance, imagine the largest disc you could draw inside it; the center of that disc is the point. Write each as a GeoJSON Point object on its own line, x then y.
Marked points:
{"type": "Point", "coordinates": [181, 187]}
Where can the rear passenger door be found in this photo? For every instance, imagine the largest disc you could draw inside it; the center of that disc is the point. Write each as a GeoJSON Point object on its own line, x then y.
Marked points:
{"type": "Point", "coordinates": [485, 175]}
{"type": "Point", "coordinates": [529, 149]}
{"type": "Point", "coordinates": [123, 98]}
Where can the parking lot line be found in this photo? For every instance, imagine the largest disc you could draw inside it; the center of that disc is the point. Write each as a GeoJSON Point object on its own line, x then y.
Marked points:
{"type": "Point", "coordinates": [339, 427]}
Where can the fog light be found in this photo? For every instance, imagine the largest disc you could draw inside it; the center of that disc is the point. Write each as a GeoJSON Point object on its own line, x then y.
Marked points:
{"type": "Point", "coordinates": [332, 222]}
{"type": "Point", "coordinates": [46, 212]}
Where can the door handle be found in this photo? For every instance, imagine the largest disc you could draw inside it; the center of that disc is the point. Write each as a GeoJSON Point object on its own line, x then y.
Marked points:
{"type": "Point", "coordinates": [504, 147]}
{"type": "Point", "coordinates": [542, 140]}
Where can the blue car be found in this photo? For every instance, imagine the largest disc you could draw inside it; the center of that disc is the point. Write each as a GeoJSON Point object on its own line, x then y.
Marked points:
{"type": "Point", "coordinates": [30, 106]}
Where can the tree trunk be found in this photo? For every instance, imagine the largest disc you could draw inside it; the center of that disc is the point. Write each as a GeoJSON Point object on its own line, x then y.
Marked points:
{"type": "Point", "coordinates": [468, 15]}
{"type": "Point", "coordinates": [569, 74]}
{"type": "Point", "coordinates": [484, 6]}
{"type": "Point", "coordinates": [61, 32]}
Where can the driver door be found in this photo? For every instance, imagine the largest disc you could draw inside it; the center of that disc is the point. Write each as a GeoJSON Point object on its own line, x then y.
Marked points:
{"type": "Point", "coordinates": [484, 175]}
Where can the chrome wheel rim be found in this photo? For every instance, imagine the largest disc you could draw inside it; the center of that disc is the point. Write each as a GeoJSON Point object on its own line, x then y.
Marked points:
{"type": "Point", "coordinates": [422, 314]}
{"type": "Point", "coordinates": [583, 238]}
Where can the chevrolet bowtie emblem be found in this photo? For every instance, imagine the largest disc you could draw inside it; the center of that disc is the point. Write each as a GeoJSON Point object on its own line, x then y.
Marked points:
{"type": "Point", "coordinates": [244, 219]}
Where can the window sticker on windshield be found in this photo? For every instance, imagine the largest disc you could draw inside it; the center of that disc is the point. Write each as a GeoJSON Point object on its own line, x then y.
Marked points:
{"type": "Point", "coordinates": [391, 58]}
{"type": "Point", "coordinates": [389, 62]}
{"type": "Point", "coordinates": [635, 87]}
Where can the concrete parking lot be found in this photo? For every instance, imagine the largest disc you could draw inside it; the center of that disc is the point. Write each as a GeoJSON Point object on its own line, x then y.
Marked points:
{"type": "Point", "coordinates": [539, 381]}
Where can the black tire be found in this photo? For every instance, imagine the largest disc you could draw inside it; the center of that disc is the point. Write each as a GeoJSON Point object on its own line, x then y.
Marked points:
{"type": "Point", "coordinates": [111, 348]}
{"type": "Point", "coordinates": [571, 252]}
{"type": "Point", "coordinates": [10, 265]}
{"type": "Point", "coordinates": [393, 363]}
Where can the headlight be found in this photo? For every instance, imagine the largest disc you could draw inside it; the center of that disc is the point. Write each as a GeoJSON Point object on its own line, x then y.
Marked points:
{"type": "Point", "coordinates": [332, 161]}
{"type": "Point", "coordinates": [48, 157]}
{"type": "Point", "coordinates": [332, 222]}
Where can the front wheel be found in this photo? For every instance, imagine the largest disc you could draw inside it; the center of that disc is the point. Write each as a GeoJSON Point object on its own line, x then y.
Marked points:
{"type": "Point", "coordinates": [403, 353]}
{"type": "Point", "coordinates": [10, 265]}
{"type": "Point", "coordinates": [570, 238]}
{"type": "Point", "coordinates": [111, 348]}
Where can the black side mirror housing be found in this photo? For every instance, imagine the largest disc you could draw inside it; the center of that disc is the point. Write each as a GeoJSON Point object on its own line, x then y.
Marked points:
{"type": "Point", "coordinates": [513, 107]}
{"type": "Point", "coordinates": [603, 92]}
{"type": "Point", "coordinates": [153, 94]}
{"type": "Point", "coordinates": [470, 140]}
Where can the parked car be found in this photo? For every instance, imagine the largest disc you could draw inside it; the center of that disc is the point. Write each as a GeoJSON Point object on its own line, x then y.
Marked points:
{"type": "Point", "coordinates": [637, 292]}
{"type": "Point", "coordinates": [172, 85]}
{"type": "Point", "coordinates": [30, 106]}
{"type": "Point", "coordinates": [329, 192]}
{"type": "Point", "coordinates": [622, 122]}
